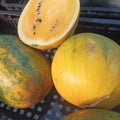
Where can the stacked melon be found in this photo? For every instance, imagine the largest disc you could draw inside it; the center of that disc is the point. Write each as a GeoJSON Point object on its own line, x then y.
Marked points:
{"type": "Point", "coordinates": [85, 68]}
{"type": "Point", "coordinates": [86, 73]}
{"type": "Point", "coordinates": [25, 74]}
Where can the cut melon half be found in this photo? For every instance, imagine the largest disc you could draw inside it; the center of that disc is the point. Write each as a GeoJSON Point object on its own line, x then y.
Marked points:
{"type": "Point", "coordinates": [45, 24]}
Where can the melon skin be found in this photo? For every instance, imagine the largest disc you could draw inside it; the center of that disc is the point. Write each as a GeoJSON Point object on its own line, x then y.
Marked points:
{"type": "Point", "coordinates": [25, 75]}
{"type": "Point", "coordinates": [93, 114]}
{"type": "Point", "coordinates": [86, 71]}
{"type": "Point", "coordinates": [43, 24]}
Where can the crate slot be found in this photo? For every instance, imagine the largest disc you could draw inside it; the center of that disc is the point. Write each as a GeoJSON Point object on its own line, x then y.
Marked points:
{"type": "Point", "coordinates": [104, 21]}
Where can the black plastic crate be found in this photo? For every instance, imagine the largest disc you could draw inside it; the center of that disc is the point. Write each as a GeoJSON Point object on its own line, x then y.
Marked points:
{"type": "Point", "coordinates": [104, 21]}
{"type": "Point", "coordinates": [19, 4]}
{"type": "Point", "coordinates": [53, 107]}
{"type": "Point", "coordinates": [100, 3]}
{"type": "Point", "coordinates": [13, 5]}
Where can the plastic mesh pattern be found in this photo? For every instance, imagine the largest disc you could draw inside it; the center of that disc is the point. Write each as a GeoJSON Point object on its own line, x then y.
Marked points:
{"type": "Point", "coordinates": [104, 21]}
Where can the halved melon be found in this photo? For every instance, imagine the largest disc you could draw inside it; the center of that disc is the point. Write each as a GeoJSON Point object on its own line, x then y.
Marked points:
{"type": "Point", "coordinates": [45, 24]}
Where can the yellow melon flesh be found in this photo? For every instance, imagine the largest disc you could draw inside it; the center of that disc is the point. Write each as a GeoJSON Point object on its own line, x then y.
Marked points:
{"type": "Point", "coordinates": [44, 24]}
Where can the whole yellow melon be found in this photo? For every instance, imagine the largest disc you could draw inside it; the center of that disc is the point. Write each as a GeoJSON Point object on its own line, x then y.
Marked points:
{"type": "Point", "coordinates": [86, 71]}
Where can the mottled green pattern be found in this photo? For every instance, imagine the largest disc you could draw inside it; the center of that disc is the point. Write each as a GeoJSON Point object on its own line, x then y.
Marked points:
{"type": "Point", "coordinates": [23, 70]}
{"type": "Point", "coordinates": [22, 57]}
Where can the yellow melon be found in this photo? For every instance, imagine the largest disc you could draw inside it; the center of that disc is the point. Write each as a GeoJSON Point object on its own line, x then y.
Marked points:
{"type": "Point", "coordinates": [86, 71]}
{"type": "Point", "coordinates": [45, 24]}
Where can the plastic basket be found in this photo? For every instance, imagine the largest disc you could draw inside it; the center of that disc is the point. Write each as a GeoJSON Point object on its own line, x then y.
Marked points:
{"type": "Point", "coordinates": [100, 3]}
{"type": "Point", "coordinates": [13, 5]}
{"type": "Point", "coordinates": [54, 107]}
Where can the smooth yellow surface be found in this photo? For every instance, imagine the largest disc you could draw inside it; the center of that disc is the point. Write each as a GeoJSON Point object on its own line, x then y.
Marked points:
{"type": "Point", "coordinates": [43, 22]}
{"type": "Point", "coordinates": [86, 71]}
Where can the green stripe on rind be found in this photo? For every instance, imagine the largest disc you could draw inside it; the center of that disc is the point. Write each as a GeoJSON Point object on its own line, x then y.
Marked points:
{"type": "Point", "coordinates": [22, 56]}
{"type": "Point", "coordinates": [25, 66]}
